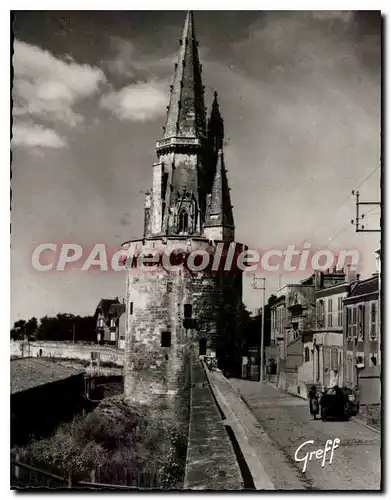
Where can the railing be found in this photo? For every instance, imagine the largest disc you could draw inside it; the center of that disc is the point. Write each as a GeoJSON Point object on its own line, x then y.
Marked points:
{"type": "Point", "coordinates": [27, 476]}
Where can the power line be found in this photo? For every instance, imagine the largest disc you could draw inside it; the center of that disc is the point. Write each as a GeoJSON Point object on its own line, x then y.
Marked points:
{"type": "Point", "coordinates": [343, 230]}
{"type": "Point", "coordinates": [372, 210]}
{"type": "Point", "coordinates": [339, 232]}
{"type": "Point", "coordinates": [368, 177]}
{"type": "Point", "coordinates": [359, 218]}
{"type": "Point", "coordinates": [347, 197]}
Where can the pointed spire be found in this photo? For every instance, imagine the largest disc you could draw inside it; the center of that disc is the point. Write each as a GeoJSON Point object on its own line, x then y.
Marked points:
{"type": "Point", "coordinates": [219, 212]}
{"type": "Point", "coordinates": [186, 110]}
{"type": "Point", "coordinates": [215, 126]}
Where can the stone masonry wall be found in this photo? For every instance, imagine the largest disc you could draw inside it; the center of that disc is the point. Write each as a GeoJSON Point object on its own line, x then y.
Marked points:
{"type": "Point", "coordinates": [152, 370]}
{"type": "Point", "coordinates": [66, 350]}
{"type": "Point", "coordinates": [153, 373]}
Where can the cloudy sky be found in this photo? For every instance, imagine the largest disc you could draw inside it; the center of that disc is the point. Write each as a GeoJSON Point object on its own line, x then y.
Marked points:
{"type": "Point", "coordinates": [300, 96]}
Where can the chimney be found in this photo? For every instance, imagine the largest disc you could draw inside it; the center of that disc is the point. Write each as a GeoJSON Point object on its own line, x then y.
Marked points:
{"type": "Point", "coordinates": [378, 260]}
{"type": "Point", "coordinates": [351, 276]}
{"type": "Point", "coordinates": [318, 279]}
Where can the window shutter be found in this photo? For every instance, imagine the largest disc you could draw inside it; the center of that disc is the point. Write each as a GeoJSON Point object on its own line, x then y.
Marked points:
{"type": "Point", "coordinates": [354, 321]}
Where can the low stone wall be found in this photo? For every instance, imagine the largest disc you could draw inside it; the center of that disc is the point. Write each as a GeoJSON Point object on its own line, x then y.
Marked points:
{"type": "Point", "coordinates": [103, 371]}
{"type": "Point", "coordinates": [371, 413]}
{"type": "Point", "coordinates": [211, 462]}
{"type": "Point", "coordinates": [288, 382]}
{"type": "Point", "coordinates": [305, 378]}
{"type": "Point", "coordinates": [272, 379]}
{"type": "Point", "coordinates": [67, 350]}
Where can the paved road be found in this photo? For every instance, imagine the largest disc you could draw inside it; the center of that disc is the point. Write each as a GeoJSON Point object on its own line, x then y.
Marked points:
{"type": "Point", "coordinates": [285, 419]}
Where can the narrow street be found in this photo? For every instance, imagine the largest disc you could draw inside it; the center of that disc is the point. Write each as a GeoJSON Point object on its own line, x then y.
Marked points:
{"type": "Point", "coordinates": [276, 424]}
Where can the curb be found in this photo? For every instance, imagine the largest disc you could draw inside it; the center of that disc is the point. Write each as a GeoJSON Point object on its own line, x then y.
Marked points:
{"type": "Point", "coordinates": [260, 478]}
{"type": "Point", "coordinates": [358, 420]}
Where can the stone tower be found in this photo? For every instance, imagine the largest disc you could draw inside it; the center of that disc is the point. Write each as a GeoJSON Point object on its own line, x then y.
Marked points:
{"type": "Point", "coordinates": [170, 311]}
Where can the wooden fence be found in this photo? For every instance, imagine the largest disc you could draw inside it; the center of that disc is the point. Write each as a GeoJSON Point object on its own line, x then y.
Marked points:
{"type": "Point", "coordinates": [25, 475]}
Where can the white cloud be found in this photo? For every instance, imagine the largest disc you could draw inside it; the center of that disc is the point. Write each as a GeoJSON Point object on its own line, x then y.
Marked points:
{"type": "Point", "coordinates": [129, 61]}
{"type": "Point", "coordinates": [138, 102]}
{"type": "Point", "coordinates": [33, 135]}
{"type": "Point", "coordinates": [146, 98]}
{"type": "Point", "coordinates": [48, 87]}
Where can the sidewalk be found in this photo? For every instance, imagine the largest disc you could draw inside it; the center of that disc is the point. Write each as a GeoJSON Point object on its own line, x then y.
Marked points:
{"type": "Point", "coordinates": [360, 419]}
{"type": "Point", "coordinates": [270, 468]}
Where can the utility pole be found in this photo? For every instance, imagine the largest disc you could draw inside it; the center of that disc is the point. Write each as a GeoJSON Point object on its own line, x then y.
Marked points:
{"type": "Point", "coordinates": [356, 222]}
{"type": "Point", "coordinates": [73, 332]}
{"type": "Point", "coordinates": [258, 286]}
{"type": "Point", "coordinates": [363, 230]}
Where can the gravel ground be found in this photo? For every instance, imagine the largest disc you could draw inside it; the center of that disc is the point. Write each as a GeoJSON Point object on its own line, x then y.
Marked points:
{"type": "Point", "coordinates": [356, 463]}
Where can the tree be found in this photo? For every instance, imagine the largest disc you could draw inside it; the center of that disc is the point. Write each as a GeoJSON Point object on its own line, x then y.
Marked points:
{"type": "Point", "coordinates": [31, 328]}
{"type": "Point", "coordinates": [67, 327]}
{"type": "Point", "coordinates": [252, 331]}
{"type": "Point", "coordinates": [18, 332]}
{"type": "Point", "coordinates": [60, 327]}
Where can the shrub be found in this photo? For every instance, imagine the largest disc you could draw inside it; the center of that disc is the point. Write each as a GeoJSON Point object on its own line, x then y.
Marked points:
{"type": "Point", "coordinates": [117, 440]}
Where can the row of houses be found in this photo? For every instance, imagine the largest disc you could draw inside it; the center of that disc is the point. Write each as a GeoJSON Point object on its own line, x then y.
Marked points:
{"type": "Point", "coordinates": [325, 331]}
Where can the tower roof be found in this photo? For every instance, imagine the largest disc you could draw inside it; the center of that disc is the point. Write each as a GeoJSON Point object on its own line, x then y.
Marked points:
{"type": "Point", "coordinates": [216, 126]}
{"type": "Point", "coordinates": [186, 110]}
{"type": "Point", "coordinates": [219, 211]}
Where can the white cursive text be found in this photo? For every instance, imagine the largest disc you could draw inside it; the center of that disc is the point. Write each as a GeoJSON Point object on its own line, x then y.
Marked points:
{"type": "Point", "coordinates": [319, 454]}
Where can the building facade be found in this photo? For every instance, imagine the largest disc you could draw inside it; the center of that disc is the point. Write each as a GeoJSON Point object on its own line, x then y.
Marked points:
{"type": "Point", "coordinates": [362, 346]}
{"type": "Point", "coordinates": [328, 360]}
{"type": "Point", "coordinates": [292, 318]}
{"type": "Point", "coordinates": [327, 332]}
{"type": "Point", "coordinates": [170, 311]}
{"type": "Point", "coordinates": [110, 322]}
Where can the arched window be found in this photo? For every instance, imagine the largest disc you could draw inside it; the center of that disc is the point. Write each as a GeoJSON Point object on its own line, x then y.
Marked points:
{"type": "Point", "coordinates": [306, 355]}
{"type": "Point", "coordinates": [183, 221]}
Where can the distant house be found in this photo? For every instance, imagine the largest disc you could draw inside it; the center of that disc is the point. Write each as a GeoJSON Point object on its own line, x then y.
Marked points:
{"type": "Point", "coordinates": [110, 322]}
{"type": "Point", "coordinates": [43, 393]}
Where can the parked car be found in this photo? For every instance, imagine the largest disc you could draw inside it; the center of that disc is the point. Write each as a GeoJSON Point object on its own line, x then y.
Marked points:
{"type": "Point", "coordinates": [334, 404]}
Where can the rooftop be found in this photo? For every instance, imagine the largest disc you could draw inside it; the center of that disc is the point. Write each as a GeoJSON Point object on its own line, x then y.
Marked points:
{"type": "Point", "coordinates": [105, 305]}
{"type": "Point", "coordinates": [364, 287]}
{"type": "Point", "coordinates": [27, 373]}
{"type": "Point", "coordinates": [117, 309]}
